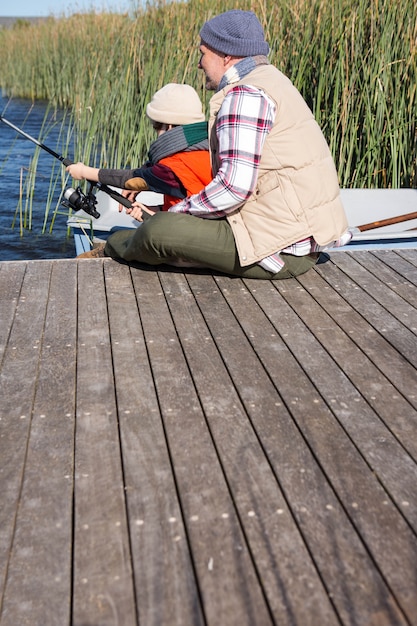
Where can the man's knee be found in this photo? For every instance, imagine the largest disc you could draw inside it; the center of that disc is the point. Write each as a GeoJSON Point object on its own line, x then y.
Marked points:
{"type": "Point", "coordinates": [154, 230]}
{"type": "Point", "coordinates": [157, 235]}
{"type": "Point", "coordinates": [154, 240]}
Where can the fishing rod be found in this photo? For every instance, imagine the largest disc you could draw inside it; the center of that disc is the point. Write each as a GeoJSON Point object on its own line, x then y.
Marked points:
{"type": "Point", "coordinates": [75, 199]}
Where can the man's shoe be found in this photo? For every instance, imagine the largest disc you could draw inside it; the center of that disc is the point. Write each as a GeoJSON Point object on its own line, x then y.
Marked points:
{"type": "Point", "coordinates": [95, 253]}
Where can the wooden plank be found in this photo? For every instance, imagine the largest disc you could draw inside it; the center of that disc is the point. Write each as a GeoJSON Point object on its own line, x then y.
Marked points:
{"type": "Point", "coordinates": [17, 387]}
{"type": "Point", "coordinates": [380, 282]}
{"type": "Point", "coordinates": [390, 540]}
{"type": "Point", "coordinates": [102, 588]}
{"type": "Point", "coordinates": [394, 467]}
{"type": "Point", "coordinates": [261, 365]}
{"type": "Point", "coordinates": [227, 580]}
{"type": "Point", "coordinates": [11, 279]}
{"type": "Point", "coordinates": [282, 561]}
{"type": "Point", "coordinates": [411, 257]}
{"type": "Point", "coordinates": [38, 591]}
{"type": "Point", "coordinates": [165, 584]}
{"type": "Point", "coordinates": [369, 330]}
{"type": "Point", "coordinates": [393, 270]}
{"type": "Point", "coordinates": [372, 356]}
{"type": "Point", "coordinates": [397, 320]}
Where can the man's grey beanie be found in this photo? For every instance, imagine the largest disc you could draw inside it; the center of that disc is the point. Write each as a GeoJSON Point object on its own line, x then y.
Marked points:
{"type": "Point", "coordinates": [238, 33]}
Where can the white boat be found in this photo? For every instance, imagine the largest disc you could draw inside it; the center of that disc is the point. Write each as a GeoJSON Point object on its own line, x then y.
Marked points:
{"type": "Point", "coordinates": [363, 206]}
{"type": "Point", "coordinates": [368, 206]}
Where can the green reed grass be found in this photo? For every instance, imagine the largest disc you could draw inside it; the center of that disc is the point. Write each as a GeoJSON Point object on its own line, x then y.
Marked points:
{"type": "Point", "coordinates": [354, 61]}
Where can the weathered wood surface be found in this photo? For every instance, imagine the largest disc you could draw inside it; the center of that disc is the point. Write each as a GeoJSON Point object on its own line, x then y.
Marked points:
{"type": "Point", "coordinates": [185, 449]}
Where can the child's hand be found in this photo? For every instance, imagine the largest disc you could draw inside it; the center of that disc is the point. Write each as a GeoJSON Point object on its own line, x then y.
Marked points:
{"type": "Point", "coordinates": [131, 196]}
{"type": "Point", "coordinates": [76, 170]}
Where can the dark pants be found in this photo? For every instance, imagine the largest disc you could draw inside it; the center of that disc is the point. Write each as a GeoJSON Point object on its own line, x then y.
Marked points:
{"type": "Point", "coordinates": [181, 239]}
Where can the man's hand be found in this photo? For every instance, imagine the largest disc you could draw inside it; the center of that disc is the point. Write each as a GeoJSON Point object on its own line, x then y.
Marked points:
{"type": "Point", "coordinates": [138, 210]}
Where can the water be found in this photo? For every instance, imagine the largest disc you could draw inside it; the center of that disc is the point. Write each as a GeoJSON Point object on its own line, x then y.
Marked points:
{"type": "Point", "coordinates": [15, 153]}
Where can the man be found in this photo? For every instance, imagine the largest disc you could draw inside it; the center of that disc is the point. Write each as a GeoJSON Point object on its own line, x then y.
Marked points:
{"type": "Point", "coordinates": [274, 200]}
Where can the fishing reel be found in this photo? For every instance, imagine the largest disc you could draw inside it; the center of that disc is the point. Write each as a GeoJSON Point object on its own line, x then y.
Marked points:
{"type": "Point", "coordinates": [77, 200]}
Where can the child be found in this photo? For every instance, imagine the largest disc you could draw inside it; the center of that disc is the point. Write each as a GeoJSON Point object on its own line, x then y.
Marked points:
{"type": "Point", "coordinates": [179, 161]}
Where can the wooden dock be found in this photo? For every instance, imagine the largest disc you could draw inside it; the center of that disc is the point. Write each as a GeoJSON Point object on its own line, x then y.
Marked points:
{"type": "Point", "coordinates": [186, 449]}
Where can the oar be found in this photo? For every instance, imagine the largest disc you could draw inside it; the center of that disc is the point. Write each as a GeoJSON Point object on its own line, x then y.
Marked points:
{"type": "Point", "coordinates": [397, 219]}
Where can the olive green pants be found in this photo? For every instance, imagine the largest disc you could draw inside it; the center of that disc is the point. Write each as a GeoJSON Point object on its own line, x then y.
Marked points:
{"type": "Point", "coordinates": [176, 238]}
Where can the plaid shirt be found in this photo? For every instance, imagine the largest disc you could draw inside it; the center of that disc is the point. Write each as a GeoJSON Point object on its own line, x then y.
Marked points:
{"type": "Point", "coordinates": [245, 118]}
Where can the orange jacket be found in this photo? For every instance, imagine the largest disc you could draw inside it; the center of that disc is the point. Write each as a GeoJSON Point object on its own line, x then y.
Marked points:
{"type": "Point", "coordinates": [193, 168]}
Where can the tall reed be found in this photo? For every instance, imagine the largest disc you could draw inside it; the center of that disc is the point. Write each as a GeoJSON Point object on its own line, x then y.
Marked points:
{"type": "Point", "coordinates": [354, 61]}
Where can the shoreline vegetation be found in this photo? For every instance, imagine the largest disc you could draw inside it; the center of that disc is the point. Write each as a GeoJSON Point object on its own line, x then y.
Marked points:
{"type": "Point", "coordinates": [355, 62]}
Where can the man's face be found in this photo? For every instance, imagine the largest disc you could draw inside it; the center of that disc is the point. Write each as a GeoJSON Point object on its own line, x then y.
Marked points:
{"type": "Point", "coordinates": [213, 65]}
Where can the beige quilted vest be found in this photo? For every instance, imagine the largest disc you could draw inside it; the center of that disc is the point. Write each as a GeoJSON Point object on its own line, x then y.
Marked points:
{"type": "Point", "coordinates": [297, 192]}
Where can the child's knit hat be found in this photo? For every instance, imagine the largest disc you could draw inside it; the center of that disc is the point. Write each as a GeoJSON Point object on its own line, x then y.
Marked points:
{"type": "Point", "coordinates": [175, 104]}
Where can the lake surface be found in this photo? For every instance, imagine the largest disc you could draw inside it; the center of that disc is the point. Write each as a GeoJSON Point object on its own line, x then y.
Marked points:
{"type": "Point", "coordinates": [15, 154]}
